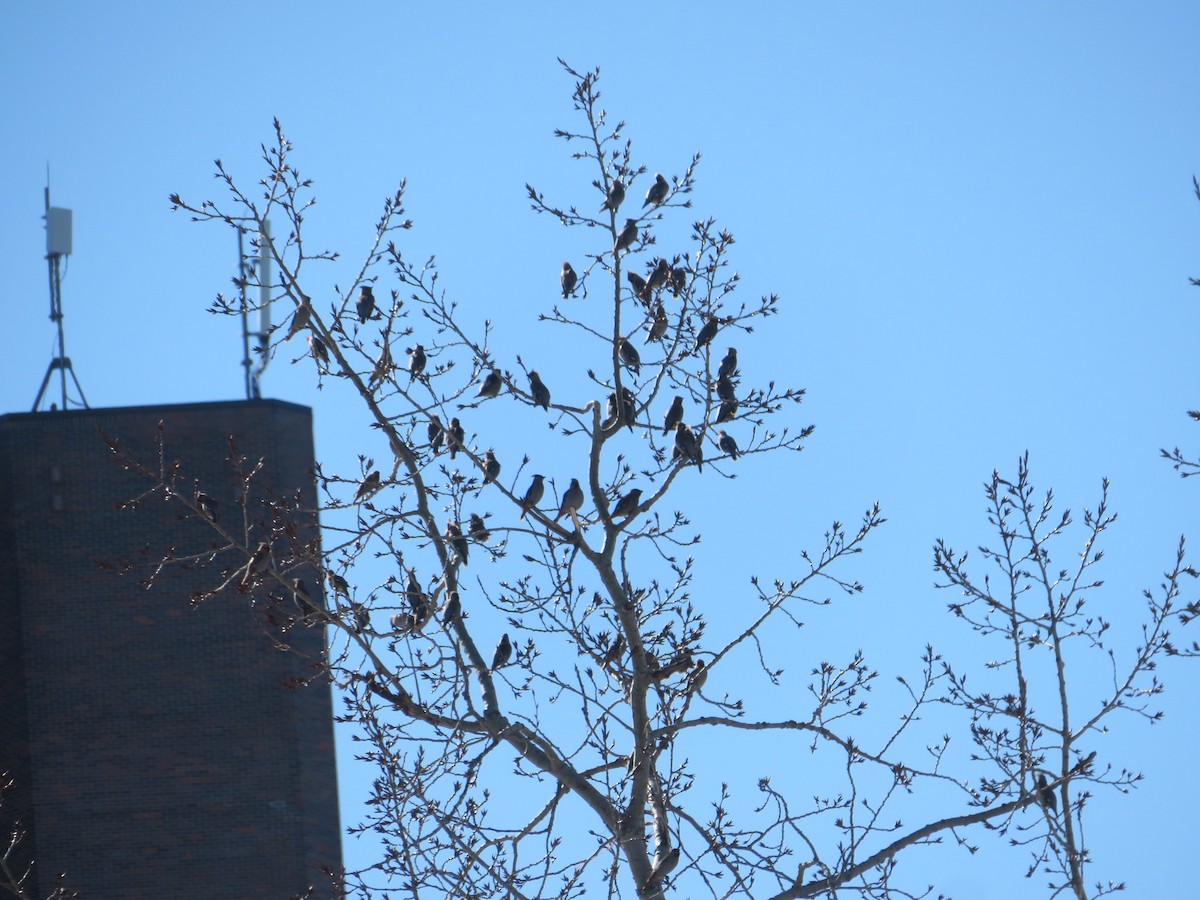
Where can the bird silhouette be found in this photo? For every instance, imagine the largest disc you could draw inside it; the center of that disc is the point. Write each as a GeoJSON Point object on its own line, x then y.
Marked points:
{"type": "Point", "coordinates": [207, 507]}
{"type": "Point", "coordinates": [413, 594]}
{"type": "Point", "coordinates": [365, 304]}
{"type": "Point", "coordinates": [707, 333]}
{"type": "Point", "coordinates": [533, 496]}
{"type": "Point", "coordinates": [658, 191]}
{"type": "Point", "coordinates": [571, 500]}
{"type": "Point", "coordinates": [629, 356]}
{"type": "Point", "coordinates": [260, 561]}
{"type": "Point", "coordinates": [567, 280]}
{"type": "Point", "coordinates": [455, 437]}
{"type": "Point", "coordinates": [338, 583]}
{"type": "Point", "coordinates": [613, 653]}
{"type": "Point", "coordinates": [658, 327]}
{"type": "Point", "coordinates": [320, 353]}
{"type": "Point", "coordinates": [641, 290]}
{"type": "Point", "coordinates": [362, 618]}
{"type": "Point", "coordinates": [478, 529]}
{"type": "Point", "coordinates": [453, 608]}
{"type": "Point", "coordinates": [504, 652]}
{"type": "Point", "coordinates": [1046, 793]}
{"type": "Point", "coordinates": [659, 275]}
{"type": "Point", "coordinates": [416, 363]}
{"type": "Point", "coordinates": [727, 444]}
{"type": "Point", "coordinates": [674, 414]}
{"type": "Point", "coordinates": [300, 320]}
{"type": "Point", "coordinates": [382, 368]}
{"type": "Point", "coordinates": [628, 504]}
{"type": "Point", "coordinates": [539, 391]}
{"type": "Point", "coordinates": [615, 196]}
{"type": "Point", "coordinates": [725, 390]}
{"type": "Point", "coordinates": [491, 385]}
{"type": "Point", "coordinates": [436, 433]}
{"type": "Point", "coordinates": [460, 544]}
{"type": "Point", "coordinates": [728, 364]}
{"type": "Point", "coordinates": [678, 281]}
{"type": "Point", "coordinates": [368, 486]}
{"type": "Point", "coordinates": [688, 445]}
{"type": "Point", "coordinates": [627, 236]}
{"type": "Point", "coordinates": [727, 412]}
{"type": "Point", "coordinates": [491, 467]}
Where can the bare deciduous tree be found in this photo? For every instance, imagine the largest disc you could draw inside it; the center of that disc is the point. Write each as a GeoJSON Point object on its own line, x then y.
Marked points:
{"type": "Point", "coordinates": [533, 726]}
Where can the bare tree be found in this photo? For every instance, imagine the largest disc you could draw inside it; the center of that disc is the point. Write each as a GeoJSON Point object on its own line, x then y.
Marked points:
{"type": "Point", "coordinates": [533, 730]}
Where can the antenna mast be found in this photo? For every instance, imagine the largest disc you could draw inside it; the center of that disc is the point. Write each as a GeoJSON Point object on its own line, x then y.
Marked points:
{"type": "Point", "coordinates": [247, 266]}
{"type": "Point", "coordinates": [58, 245]}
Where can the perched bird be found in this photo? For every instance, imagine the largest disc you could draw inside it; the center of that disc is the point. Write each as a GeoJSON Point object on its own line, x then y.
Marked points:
{"type": "Point", "coordinates": [1048, 797]}
{"type": "Point", "coordinates": [413, 593]}
{"type": "Point", "coordinates": [416, 363]}
{"type": "Point", "coordinates": [362, 618]}
{"type": "Point", "coordinates": [368, 486]}
{"type": "Point", "coordinates": [533, 496]}
{"type": "Point", "coordinates": [615, 197]}
{"type": "Point", "coordinates": [301, 597]}
{"type": "Point", "coordinates": [260, 561]}
{"type": "Point", "coordinates": [707, 333]}
{"type": "Point", "coordinates": [674, 414]}
{"type": "Point", "coordinates": [460, 544]}
{"type": "Point", "coordinates": [568, 279]}
{"type": "Point", "coordinates": [678, 281]}
{"type": "Point", "coordinates": [660, 274]}
{"type": "Point", "coordinates": [365, 304]}
{"type": "Point", "coordinates": [613, 653]}
{"type": "Point", "coordinates": [677, 664]}
{"type": "Point", "coordinates": [491, 385]}
{"type": "Point", "coordinates": [454, 437]}
{"type": "Point", "coordinates": [727, 444]}
{"type": "Point", "coordinates": [453, 608]}
{"type": "Point", "coordinates": [571, 500]}
{"type": "Point", "coordinates": [659, 326]}
{"type": "Point", "coordinates": [727, 411]}
{"type": "Point", "coordinates": [300, 320]}
{"type": "Point", "coordinates": [539, 391]}
{"type": "Point", "coordinates": [491, 467]}
{"type": "Point", "coordinates": [728, 364]}
{"type": "Point", "coordinates": [207, 507]}
{"type": "Point", "coordinates": [726, 391]}
{"type": "Point", "coordinates": [503, 654]}
{"type": "Point", "coordinates": [698, 676]}
{"type": "Point", "coordinates": [688, 446]}
{"type": "Point", "coordinates": [627, 236]}
{"type": "Point", "coordinates": [436, 433]}
{"type": "Point", "coordinates": [478, 529]}
{"type": "Point", "coordinates": [628, 504]}
{"type": "Point", "coordinates": [629, 356]}
{"type": "Point", "coordinates": [338, 583]}
{"type": "Point", "coordinates": [658, 191]}
{"type": "Point", "coordinates": [320, 353]}
{"type": "Point", "coordinates": [640, 289]}
{"type": "Point", "coordinates": [663, 866]}
{"type": "Point", "coordinates": [383, 367]}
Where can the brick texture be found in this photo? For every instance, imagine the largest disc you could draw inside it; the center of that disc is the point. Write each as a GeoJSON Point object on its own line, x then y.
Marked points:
{"type": "Point", "coordinates": [161, 749]}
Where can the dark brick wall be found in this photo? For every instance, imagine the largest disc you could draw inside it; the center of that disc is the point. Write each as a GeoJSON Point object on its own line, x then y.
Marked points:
{"type": "Point", "coordinates": [162, 748]}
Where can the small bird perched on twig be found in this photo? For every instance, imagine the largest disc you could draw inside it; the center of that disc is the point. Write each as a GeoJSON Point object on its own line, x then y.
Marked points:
{"type": "Point", "coordinates": [260, 561]}
{"type": "Point", "coordinates": [491, 467]}
{"type": "Point", "coordinates": [365, 304]}
{"type": "Point", "coordinates": [368, 486]}
{"type": "Point", "coordinates": [568, 279]}
{"type": "Point", "coordinates": [416, 363]}
{"type": "Point", "coordinates": [627, 236]}
{"type": "Point", "coordinates": [491, 385]}
{"type": "Point", "coordinates": [628, 504]}
{"type": "Point", "coordinates": [571, 500]}
{"type": "Point", "coordinates": [503, 654]}
{"type": "Point", "coordinates": [658, 191]}
{"type": "Point", "coordinates": [539, 391]}
{"type": "Point", "coordinates": [615, 197]}
{"type": "Point", "coordinates": [533, 496]}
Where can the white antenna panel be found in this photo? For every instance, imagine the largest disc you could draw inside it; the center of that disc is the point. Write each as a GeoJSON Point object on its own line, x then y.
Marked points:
{"type": "Point", "coordinates": [58, 231]}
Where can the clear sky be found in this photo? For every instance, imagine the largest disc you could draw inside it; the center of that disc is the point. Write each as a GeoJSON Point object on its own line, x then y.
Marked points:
{"type": "Point", "coordinates": [979, 218]}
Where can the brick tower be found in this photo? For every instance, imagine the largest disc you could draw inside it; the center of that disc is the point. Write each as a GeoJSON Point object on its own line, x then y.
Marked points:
{"type": "Point", "coordinates": [158, 749]}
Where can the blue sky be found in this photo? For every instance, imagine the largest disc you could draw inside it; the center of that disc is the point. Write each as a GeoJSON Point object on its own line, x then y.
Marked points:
{"type": "Point", "coordinates": [979, 218]}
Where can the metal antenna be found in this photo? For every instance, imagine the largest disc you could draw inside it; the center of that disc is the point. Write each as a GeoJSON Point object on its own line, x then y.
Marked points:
{"type": "Point", "coordinates": [58, 245]}
{"type": "Point", "coordinates": [246, 268]}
